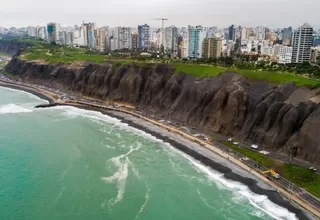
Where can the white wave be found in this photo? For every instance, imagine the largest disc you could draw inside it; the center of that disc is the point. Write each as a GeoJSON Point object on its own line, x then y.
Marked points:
{"type": "Point", "coordinates": [120, 176]}
{"type": "Point", "coordinates": [145, 202]}
{"type": "Point", "coordinates": [241, 191]}
{"type": "Point", "coordinates": [12, 108]}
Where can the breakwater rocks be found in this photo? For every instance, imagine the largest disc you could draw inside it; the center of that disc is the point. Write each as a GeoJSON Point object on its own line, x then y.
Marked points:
{"type": "Point", "coordinates": [47, 105]}
{"type": "Point", "coordinates": [283, 118]}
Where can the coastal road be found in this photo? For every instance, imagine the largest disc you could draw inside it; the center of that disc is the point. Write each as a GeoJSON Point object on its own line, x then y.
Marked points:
{"type": "Point", "coordinates": [274, 155]}
{"type": "Point", "coordinates": [282, 182]}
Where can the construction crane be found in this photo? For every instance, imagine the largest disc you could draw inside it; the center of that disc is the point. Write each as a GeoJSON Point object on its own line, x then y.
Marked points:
{"type": "Point", "coordinates": [162, 19]}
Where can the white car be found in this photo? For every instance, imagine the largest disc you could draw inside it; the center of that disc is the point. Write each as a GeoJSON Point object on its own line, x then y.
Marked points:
{"type": "Point", "coordinates": [236, 143]}
{"type": "Point", "coordinates": [230, 139]}
{"type": "Point", "coordinates": [254, 146]}
{"type": "Point", "coordinates": [312, 168]}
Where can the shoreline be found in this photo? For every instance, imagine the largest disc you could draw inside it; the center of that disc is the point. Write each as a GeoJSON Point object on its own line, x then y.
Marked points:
{"type": "Point", "coordinates": [31, 90]}
{"type": "Point", "coordinates": [255, 183]}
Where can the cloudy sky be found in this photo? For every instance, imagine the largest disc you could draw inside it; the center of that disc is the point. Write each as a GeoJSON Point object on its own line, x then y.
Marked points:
{"type": "Point", "coordinates": [270, 13]}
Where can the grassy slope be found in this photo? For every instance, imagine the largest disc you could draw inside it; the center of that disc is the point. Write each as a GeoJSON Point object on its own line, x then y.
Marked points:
{"type": "Point", "coordinates": [59, 54]}
{"type": "Point", "coordinates": [301, 176]}
{"type": "Point", "coordinates": [273, 77]}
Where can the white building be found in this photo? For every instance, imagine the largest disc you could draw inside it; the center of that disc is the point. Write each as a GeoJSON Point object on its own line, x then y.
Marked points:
{"type": "Point", "coordinates": [302, 43]}
{"type": "Point", "coordinates": [267, 50]}
{"type": "Point", "coordinates": [42, 33]}
{"type": "Point", "coordinates": [123, 36]}
{"type": "Point", "coordinates": [78, 37]}
{"type": "Point", "coordinates": [185, 42]}
{"type": "Point", "coordinates": [261, 33]}
{"type": "Point", "coordinates": [285, 54]}
{"type": "Point", "coordinates": [32, 31]}
{"type": "Point", "coordinates": [244, 33]}
{"type": "Point", "coordinates": [171, 39]}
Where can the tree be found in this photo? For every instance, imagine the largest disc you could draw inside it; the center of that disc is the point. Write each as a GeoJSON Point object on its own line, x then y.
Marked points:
{"type": "Point", "coordinates": [293, 152]}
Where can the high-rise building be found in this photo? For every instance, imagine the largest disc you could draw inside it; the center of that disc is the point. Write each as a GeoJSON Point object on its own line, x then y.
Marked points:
{"type": "Point", "coordinates": [301, 43]}
{"type": "Point", "coordinates": [32, 31]}
{"type": "Point", "coordinates": [100, 39]}
{"type": "Point", "coordinates": [78, 35]}
{"type": "Point", "coordinates": [171, 39]}
{"type": "Point", "coordinates": [287, 36]}
{"type": "Point", "coordinates": [285, 54]}
{"type": "Point", "coordinates": [42, 33]}
{"type": "Point", "coordinates": [261, 33]}
{"type": "Point", "coordinates": [53, 30]}
{"type": "Point", "coordinates": [124, 38]}
{"type": "Point", "coordinates": [194, 50]}
{"type": "Point", "coordinates": [180, 46]}
{"type": "Point", "coordinates": [144, 36]}
{"type": "Point", "coordinates": [185, 42]}
{"type": "Point", "coordinates": [212, 47]}
{"type": "Point", "coordinates": [315, 54]}
{"type": "Point", "coordinates": [89, 34]}
{"type": "Point", "coordinates": [134, 39]}
{"type": "Point", "coordinates": [244, 33]}
{"type": "Point", "coordinates": [232, 33]}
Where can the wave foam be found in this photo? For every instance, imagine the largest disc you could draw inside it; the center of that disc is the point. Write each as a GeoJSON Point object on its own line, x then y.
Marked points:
{"type": "Point", "coordinates": [145, 201]}
{"type": "Point", "coordinates": [122, 162]}
{"type": "Point", "coordinates": [242, 192]}
{"type": "Point", "coordinates": [12, 108]}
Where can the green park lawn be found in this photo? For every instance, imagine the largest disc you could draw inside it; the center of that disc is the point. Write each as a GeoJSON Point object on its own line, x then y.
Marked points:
{"type": "Point", "coordinates": [200, 70]}
{"type": "Point", "coordinates": [301, 176]}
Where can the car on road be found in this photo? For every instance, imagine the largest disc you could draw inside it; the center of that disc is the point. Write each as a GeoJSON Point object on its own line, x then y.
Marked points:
{"type": "Point", "coordinates": [312, 168]}
{"type": "Point", "coordinates": [254, 146]}
{"type": "Point", "coordinates": [230, 139]}
{"type": "Point", "coordinates": [235, 143]}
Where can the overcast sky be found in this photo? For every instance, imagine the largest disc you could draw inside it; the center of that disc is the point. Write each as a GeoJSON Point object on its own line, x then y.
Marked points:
{"type": "Point", "coordinates": [221, 13]}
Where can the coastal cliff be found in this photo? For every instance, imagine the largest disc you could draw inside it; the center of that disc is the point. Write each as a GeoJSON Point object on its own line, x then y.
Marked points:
{"type": "Point", "coordinates": [13, 48]}
{"type": "Point", "coordinates": [283, 118]}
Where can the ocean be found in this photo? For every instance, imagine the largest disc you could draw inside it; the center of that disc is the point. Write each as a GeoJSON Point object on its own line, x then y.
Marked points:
{"type": "Point", "coordinates": [69, 163]}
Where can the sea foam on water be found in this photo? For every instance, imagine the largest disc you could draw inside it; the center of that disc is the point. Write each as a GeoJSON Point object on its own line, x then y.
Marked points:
{"type": "Point", "coordinates": [12, 109]}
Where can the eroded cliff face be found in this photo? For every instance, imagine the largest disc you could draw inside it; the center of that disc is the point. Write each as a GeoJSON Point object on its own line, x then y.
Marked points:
{"type": "Point", "coordinates": [281, 118]}
{"type": "Point", "coordinates": [12, 48]}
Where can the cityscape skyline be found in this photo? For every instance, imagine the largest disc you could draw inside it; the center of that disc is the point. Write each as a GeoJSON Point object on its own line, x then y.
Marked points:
{"type": "Point", "coordinates": [286, 45]}
{"type": "Point", "coordinates": [203, 12]}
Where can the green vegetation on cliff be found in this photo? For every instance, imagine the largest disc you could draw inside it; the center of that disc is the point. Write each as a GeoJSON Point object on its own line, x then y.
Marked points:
{"type": "Point", "coordinates": [61, 54]}
{"type": "Point", "coordinates": [272, 77]}
{"type": "Point", "coordinates": [303, 177]}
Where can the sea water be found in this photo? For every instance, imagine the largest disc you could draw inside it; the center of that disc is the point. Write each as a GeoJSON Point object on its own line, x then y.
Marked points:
{"type": "Point", "coordinates": [69, 163]}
